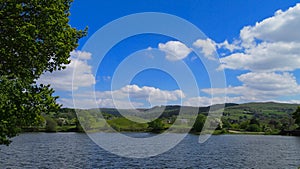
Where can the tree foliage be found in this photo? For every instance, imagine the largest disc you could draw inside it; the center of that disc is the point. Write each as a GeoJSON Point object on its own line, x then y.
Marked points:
{"type": "Point", "coordinates": [254, 121]}
{"type": "Point", "coordinates": [51, 125]}
{"type": "Point", "coordinates": [35, 37]}
{"type": "Point", "coordinates": [156, 125]}
{"type": "Point", "coordinates": [253, 128]}
{"type": "Point", "coordinates": [296, 116]}
{"type": "Point", "coordinates": [199, 123]}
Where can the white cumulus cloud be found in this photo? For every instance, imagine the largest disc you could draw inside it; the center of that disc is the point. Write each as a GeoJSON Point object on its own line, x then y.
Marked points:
{"type": "Point", "coordinates": [270, 45]}
{"type": "Point", "coordinates": [81, 55]}
{"type": "Point", "coordinates": [229, 46]}
{"type": "Point", "coordinates": [154, 96]}
{"type": "Point", "coordinates": [260, 86]}
{"type": "Point", "coordinates": [174, 50]}
{"type": "Point", "coordinates": [283, 26]}
{"type": "Point", "coordinates": [276, 56]}
{"type": "Point", "coordinates": [62, 80]}
{"type": "Point", "coordinates": [207, 46]}
{"type": "Point", "coordinates": [127, 96]}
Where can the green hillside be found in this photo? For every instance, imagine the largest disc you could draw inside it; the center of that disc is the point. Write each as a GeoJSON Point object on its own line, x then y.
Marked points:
{"type": "Point", "coordinates": [268, 117]}
{"type": "Point", "coordinates": [262, 111]}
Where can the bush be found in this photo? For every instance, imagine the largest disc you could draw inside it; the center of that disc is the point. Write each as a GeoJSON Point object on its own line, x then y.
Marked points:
{"type": "Point", "coordinates": [253, 128]}
{"type": "Point", "coordinates": [50, 125]}
{"type": "Point", "coordinates": [254, 121]}
{"type": "Point", "coordinates": [244, 124]}
{"type": "Point", "coordinates": [156, 125]}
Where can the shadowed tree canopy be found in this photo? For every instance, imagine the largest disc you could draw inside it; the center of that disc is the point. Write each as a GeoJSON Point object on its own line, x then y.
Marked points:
{"type": "Point", "coordinates": [199, 123]}
{"type": "Point", "coordinates": [296, 116]}
{"type": "Point", "coordinates": [35, 37]}
{"type": "Point", "coordinates": [156, 125]}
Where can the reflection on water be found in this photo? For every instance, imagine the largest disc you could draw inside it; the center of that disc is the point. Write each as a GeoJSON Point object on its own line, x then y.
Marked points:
{"type": "Point", "coordinates": [75, 150]}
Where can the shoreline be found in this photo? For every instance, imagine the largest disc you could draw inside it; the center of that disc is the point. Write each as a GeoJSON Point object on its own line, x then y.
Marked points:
{"type": "Point", "coordinates": [215, 132]}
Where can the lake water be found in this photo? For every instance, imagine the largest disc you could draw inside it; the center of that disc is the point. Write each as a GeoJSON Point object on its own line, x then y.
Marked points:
{"type": "Point", "coordinates": [76, 150]}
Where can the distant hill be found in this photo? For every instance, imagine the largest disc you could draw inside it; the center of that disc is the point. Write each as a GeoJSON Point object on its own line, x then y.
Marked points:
{"type": "Point", "coordinates": [168, 111]}
{"type": "Point", "coordinates": [263, 108]}
{"type": "Point", "coordinates": [255, 108]}
{"type": "Point", "coordinates": [268, 117]}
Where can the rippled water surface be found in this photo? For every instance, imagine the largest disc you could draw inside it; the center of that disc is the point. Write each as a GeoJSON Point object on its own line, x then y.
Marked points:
{"type": "Point", "coordinates": [75, 150]}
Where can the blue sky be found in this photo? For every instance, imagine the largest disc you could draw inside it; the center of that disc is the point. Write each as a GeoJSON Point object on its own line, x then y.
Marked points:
{"type": "Point", "coordinates": [258, 43]}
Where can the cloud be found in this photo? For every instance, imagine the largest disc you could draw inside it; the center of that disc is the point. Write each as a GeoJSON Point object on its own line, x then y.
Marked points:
{"type": "Point", "coordinates": [207, 46]}
{"type": "Point", "coordinates": [229, 46]}
{"type": "Point", "coordinates": [270, 45]}
{"type": "Point", "coordinates": [129, 95]}
{"type": "Point", "coordinates": [89, 102]}
{"type": "Point", "coordinates": [174, 50]}
{"type": "Point", "coordinates": [110, 103]}
{"type": "Point", "coordinates": [259, 86]}
{"type": "Point", "coordinates": [154, 96]}
{"type": "Point", "coordinates": [81, 55]}
{"type": "Point", "coordinates": [208, 101]}
{"type": "Point", "coordinates": [276, 56]}
{"type": "Point", "coordinates": [83, 103]}
{"type": "Point", "coordinates": [62, 80]}
{"type": "Point", "coordinates": [270, 81]}
{"type": "Point", "coordinates": [283, 26]}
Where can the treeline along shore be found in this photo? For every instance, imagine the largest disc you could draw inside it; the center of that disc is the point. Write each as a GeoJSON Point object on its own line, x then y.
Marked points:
{"type": "Point", "coordinates": [268, 118]}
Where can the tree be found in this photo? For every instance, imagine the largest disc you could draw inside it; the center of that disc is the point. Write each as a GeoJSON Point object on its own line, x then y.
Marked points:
{"type": "Point", "coordinates": [156, 125]}
{"type": "Point", "coordinates": [296, 116]}
{"type": "Point", "coordinates": [35, 37]}
{"type": "Point", "coordinates": [244, 124]}
{"type": "Point", "coordinates": [253, 128]}
{"type": "Point", "coordinates": [199, 123]}
{"type": "Point", "coordinates": [226, 123]}
{"type": "Point", "coordinates": [254, 121]}
{"type": "Point", "coordinates": [274, 124]}
{"type": "Point", "coordinates": [51, 124]}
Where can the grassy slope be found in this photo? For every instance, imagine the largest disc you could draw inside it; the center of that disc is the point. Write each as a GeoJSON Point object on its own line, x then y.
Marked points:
{"type": "Point", "coordinates": [264, 112]}
{"type": "Point", "coordinates": [124, 124]}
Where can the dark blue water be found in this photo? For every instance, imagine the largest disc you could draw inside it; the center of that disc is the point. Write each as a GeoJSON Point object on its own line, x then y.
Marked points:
{"type": "Point", "coordinates": [75, 150]}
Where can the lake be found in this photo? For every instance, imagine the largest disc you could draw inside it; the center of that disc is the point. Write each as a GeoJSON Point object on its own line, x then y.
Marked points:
{"type": "Point", "coordinates": [76, 150]}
